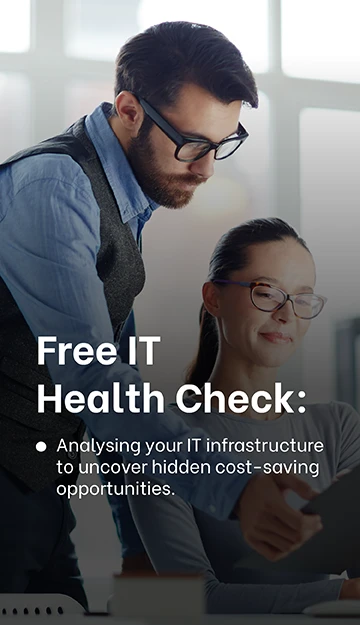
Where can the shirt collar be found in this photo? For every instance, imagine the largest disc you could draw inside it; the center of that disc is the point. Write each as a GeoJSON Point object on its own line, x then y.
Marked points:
{"type": "Point", "coordinates": [129, 196]}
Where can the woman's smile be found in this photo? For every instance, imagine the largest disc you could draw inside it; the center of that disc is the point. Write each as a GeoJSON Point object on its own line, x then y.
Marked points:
{"type": "Point", "coordinates": [276, 337]}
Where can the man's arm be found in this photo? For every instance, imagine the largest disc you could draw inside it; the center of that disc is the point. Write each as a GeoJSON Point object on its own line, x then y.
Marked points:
{"type": "Point", "coordinates": [132, 549]}
{"type": "Point", "coordinates": [50, 236]}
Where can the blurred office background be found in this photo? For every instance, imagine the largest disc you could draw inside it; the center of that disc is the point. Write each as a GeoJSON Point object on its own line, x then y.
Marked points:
{"type": "Point", "coordinates": [301, 163]}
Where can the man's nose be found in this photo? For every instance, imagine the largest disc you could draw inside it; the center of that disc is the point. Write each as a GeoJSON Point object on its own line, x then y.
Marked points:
{"type": "Point", "coordinates": [204, 167]}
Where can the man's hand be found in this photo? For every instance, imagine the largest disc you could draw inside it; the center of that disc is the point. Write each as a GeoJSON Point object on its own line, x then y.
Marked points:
{"type": "Point", "coordinates": [268, 523]}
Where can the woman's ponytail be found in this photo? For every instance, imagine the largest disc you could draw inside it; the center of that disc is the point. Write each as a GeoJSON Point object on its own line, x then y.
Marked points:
{"type": "Point", "coordinates": [201, 367]}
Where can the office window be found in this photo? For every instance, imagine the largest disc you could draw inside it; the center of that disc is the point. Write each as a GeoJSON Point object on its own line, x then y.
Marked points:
{"type": "Point", "coordinates": [321, 39]}
{"type": "Point", "coordinates": [330, 191]}
{"type": "Point", "coordinates": [244, 23]}
{"type": "Point", "coordinates": [15, 114]}
{"type": "Point", "coordinates": [82, 97]}
{"type": "Point", "coordinates": [253, 158]}
{"type": "Point", "coordinates": [96, 30]}
{"type": "Point", "coordinates": [14, 25]}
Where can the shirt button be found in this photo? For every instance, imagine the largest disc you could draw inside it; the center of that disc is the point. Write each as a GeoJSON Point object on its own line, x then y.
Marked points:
{"type": "Point", "coordinates": [212, 508]}
{"type": "Point", "coordinates": [72, 455]}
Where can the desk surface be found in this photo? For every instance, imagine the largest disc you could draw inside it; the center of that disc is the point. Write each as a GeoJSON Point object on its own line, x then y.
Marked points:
{"type": "Point", "coordinates": [247, 619]}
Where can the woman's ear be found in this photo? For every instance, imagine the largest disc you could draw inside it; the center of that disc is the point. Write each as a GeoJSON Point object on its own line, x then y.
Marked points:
{"type": "Point", "coordinates": [211, 297]}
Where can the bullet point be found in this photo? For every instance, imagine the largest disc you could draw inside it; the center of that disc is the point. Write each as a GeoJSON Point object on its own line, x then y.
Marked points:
{"type": "Point", "coordinates": [41, 446]}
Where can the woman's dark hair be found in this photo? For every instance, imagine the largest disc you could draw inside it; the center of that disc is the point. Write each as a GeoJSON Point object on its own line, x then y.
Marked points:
{"type": "Point", "coordinates": [156, 63]}
{"type": "Point", "coordinates": [230, 255]}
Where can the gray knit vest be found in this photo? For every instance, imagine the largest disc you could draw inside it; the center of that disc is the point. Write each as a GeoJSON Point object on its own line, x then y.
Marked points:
{"type": "Point", "coordinates": [121, 269]}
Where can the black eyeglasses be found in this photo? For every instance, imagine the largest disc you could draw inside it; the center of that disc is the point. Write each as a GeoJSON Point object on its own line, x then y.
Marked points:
{"type": "Point", "coordinates": [190, 149]}
{"type": "Point", "coordinates": [270, 298]}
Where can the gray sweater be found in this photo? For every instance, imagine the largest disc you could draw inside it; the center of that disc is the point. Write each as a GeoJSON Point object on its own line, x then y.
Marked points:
{"type": "Point", "coordinates": [179, 538]}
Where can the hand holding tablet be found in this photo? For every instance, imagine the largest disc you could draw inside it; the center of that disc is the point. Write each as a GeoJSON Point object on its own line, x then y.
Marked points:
{"type": "Point", "coordinates": [337, 547]}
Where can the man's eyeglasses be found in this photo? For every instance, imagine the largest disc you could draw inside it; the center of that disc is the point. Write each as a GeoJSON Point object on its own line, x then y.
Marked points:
{"type": "Point", "coordinates": [269, 298]}
{"type": "Point", "coordinates": [190, 149]}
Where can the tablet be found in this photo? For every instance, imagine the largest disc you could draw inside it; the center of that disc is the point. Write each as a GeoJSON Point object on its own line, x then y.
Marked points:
{"type": "Point", "coordinates": [336, 547]}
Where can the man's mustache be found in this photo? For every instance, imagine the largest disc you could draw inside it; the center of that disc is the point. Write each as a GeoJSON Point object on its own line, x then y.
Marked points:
{"type": "Point", "coordinates": [188, 179]}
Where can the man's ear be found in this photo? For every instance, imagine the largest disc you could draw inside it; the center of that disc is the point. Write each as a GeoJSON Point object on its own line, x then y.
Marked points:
{"type": "Point", "coordinates": [130, 112]}
{"type": "Point", "coordinates": [211, 297]}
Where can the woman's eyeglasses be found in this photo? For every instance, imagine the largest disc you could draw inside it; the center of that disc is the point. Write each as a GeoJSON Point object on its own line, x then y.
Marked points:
{"type": "Point", "coordinates": [190, 149]}
{"type": "Point", "coordinates": [270, 298]}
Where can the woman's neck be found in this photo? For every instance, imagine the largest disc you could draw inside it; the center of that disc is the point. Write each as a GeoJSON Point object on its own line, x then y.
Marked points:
{"type": "Point", "coordinates": [233, 375]}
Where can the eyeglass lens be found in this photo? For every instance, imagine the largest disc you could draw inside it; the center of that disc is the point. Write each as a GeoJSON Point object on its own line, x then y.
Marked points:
{"type": "Point", "coordinates": [306, 305]}
{"type": "Point", "coordinates": [190, 151]}
{"type": "Point", "coordinates": [226, 149]}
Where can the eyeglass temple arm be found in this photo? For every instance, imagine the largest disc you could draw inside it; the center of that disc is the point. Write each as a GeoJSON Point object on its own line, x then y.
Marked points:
{"type": "Point", "coordinates": [161, 122]}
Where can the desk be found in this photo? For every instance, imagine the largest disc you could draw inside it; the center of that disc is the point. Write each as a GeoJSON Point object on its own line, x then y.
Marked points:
{"type": "Point", "coordinates": [247, 619]}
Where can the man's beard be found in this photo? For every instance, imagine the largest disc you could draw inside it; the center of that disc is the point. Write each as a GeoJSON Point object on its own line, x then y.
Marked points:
{"type": "Point", "coordinates": [164, 189]}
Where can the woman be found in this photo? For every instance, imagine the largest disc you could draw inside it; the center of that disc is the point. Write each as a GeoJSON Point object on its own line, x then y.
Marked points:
{"type": "Point", "coordinates": [250, 326]}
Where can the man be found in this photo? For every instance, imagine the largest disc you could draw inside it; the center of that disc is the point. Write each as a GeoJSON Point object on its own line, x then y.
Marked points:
{"type": "Point", "coordinates": [72, 212]}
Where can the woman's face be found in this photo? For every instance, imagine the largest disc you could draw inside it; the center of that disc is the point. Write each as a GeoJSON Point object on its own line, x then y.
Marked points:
{"type": "Point", "coordinates": [265, 339]}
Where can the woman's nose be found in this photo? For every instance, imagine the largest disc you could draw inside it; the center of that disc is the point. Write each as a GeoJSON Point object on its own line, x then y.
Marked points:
{"type": "Point", "coordinates": [286, 312]}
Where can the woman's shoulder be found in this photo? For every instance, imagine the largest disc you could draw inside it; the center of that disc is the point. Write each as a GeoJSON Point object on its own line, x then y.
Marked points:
{"type": "Point", "coordinates": [335, 421]}
{"type": "Point", "coordinates": [335, 417]}
{"type": "Point", "coordinates": [339, 411]}
{"type": "Point", "coordinates": [344, 433]}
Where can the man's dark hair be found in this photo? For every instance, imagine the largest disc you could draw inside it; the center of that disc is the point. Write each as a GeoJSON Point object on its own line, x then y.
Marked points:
{"type": "Point", "coordinates": [156, 63]}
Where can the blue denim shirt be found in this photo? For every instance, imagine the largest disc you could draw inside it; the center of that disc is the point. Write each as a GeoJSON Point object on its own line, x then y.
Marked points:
{"type": "Point", "coordinates": [49, 239]}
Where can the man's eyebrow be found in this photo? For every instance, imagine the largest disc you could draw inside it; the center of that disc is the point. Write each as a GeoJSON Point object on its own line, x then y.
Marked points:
{"type": "Point", "coordinates": [193, 135]}
{"type": "Point", "coordinates": [305, 288]}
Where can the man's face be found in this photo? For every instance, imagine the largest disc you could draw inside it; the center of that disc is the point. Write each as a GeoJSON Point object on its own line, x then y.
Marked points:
{"type": "Point", "coordinates": [196, 113]}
